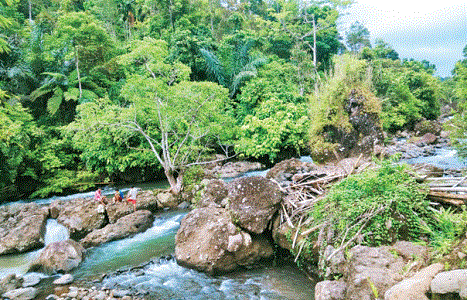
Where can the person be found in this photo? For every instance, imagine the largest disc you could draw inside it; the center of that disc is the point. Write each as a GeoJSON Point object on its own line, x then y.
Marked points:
{"type": "Point", "coordinates": [98, 197]}
{"type": "Point", "coordinates": [131, 196]}
{"type": "Point", "coordinates": [118, 196]}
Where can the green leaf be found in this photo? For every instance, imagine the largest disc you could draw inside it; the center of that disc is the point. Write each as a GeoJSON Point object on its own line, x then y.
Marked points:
{"type": "Point", "coordinates": [54, 102]}
{"type": "Point", "coordinates": [71, 94]}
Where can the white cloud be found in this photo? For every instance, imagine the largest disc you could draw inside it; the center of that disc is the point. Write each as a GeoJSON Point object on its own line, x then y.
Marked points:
{"type": "Point", "coordinates": [435, 31]}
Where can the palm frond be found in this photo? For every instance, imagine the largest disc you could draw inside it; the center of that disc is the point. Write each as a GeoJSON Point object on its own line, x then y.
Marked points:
{"type": "Point", "coordinates": [213, 66]}
{"type": "Point", "coordinates": [240, 78]}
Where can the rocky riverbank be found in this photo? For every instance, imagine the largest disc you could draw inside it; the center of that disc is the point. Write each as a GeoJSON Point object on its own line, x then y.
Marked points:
{"type": "Point", "coordinates": [234, 224]}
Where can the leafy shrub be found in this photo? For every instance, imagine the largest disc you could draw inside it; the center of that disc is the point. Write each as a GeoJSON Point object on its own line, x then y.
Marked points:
{"type": "Point", "coordinates": [374, 208]}
{"type": "Point", "coordinates": [330, 118]}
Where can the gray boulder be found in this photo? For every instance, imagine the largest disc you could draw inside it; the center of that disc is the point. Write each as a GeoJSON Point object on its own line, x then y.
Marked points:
{"type": "Point", "coordinates": [21, 294]}
{"type": "Point", "coordinates": [31, 279]}
{"type": "Point", "coordinates": [208, 241]}
{"type": "Point", "coordinates": [22, 227]}
{"type": "Point", "coordinates": [80, 216]}
{"type": "Point", "coordinates": [415, 287]}
{"type": "Point", "coordinates": [253, 201]}
{"type": "Point", "coordinates": [454, 281]}
{"type": "Point", "coordinates": [330, 290]}
{"type": "Point", "coordinates": [126, 226]}
{"type": "Point", "coordinates": [59, 257]}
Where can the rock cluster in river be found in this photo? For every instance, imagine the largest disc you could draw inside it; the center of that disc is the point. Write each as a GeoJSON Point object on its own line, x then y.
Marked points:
{"type": "Point", "coordinates": [22, 228]}
{"type": "Point", "coordinates": [226, 233]}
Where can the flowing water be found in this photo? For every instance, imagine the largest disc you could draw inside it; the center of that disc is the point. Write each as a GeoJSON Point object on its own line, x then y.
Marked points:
{"type": "Point", "coordinates": [444, 158]}
{"type": "Point", "coordinates": [163, 278]}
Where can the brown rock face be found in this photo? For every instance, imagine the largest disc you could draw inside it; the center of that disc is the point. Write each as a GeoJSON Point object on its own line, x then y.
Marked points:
{"type": "Point", "coordinates": [213, 193]}
{"type": "Point", "coordinates": [22, 228]}
{"type": "Point", "coordinates": [253, 201]}
{"type": "Point", "coordinates": [136, 222]}
{"type": "Point", "coordinates": [80, 216]}
{"type": "Point", "coordinates": [208, 241]}
{"type": "Point", "coordinates": [59, 257]}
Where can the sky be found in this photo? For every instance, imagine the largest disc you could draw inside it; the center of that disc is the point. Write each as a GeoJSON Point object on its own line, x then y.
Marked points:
{"type": "Point", "coordinates": [432, 30]}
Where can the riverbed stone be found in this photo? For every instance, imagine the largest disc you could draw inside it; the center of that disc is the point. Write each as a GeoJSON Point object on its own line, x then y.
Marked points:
{"type": "Point", "coordinates": [208, 241]}
{"type": "Point", "coordinates": [80, 216]}
{"type": "Point", "coordinates": [126, 226]}
{"type": "Point", "coordinates": [415, 287]}
{"type": "Point", "coordinates": [253, 201]}
{"type": "Point", "coordinates": [10, 282]}
{"type": "Point", "coordinates": [27, 293]}
{"type": "Point", "coordinates": [22, 227]}
{"type": "Point", "coordinates": [64, 279]}
{"type": "Point", "coordinates": [454, 281]}
{"type": "Point", "coordinates": [330, 290]}
{"type": "Point", "coordinates": [31, 279]}
{"type": "Point", "coordinates": [57, 257]}
{"type": "Point", "coordinates": [166, 199]}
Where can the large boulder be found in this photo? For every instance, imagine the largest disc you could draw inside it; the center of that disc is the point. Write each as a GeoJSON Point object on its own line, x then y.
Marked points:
{"type": "Point", "coordinates": [381, 268]}
{"type": "Point", "coordinates": [454, 281]}
{"type": "Point", "coordinates": [59, 257]}
{"type": "Point", "coordinates": [126, 226]}
{"type": "Point", "coordinates": [330, 290]}
{"type": "Point", "coordinates": [212, 192]}
{"type": "Point", "coordinates": [208, 241]}
{"type": "Point", "coordinates": [145, 200]}
{"type": "Point", "coordinates": [22, 227]}
{"type": "Point", "coordinates": [80, 216]}
{"type": "Point", "coordinates": [415, 287]}
{"type": "Point", "coordinates": [27, 293]}
{"type": "Point", "coordinates": [253, 201]}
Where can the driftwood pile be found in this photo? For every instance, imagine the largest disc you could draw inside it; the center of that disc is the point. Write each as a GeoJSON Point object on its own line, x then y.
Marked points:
{"type": "Point", "coordinates": [447, 190]}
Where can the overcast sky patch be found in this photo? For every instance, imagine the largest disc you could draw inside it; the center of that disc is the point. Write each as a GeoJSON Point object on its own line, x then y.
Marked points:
{"type": "Point", "coordinates": [416, 29]}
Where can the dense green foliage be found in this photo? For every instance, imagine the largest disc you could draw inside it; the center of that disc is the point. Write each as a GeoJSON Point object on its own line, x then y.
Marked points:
{"type": "Point", "coordinates": [69, 68]}
{"type": "Point", "coordinates": [458, 125]}
{"type": "Point", "coordinates": [376, 207]}
{"type": "Point", "coordinates": [327, 109]}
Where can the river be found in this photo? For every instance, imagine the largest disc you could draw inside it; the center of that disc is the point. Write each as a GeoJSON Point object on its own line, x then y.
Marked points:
{"type": "Point", "coordinates": [161, 278]}
{"type": "Point", "coordinates": [157, 276]}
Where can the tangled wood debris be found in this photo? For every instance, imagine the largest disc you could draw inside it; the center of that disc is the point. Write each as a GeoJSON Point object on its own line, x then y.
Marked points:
{"type": "Point", "coordinates": [305, 189]}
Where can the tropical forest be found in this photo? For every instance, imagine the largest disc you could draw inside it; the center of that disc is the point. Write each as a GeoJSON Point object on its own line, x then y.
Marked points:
{"type": "Point", "coordinates": [258, 135]}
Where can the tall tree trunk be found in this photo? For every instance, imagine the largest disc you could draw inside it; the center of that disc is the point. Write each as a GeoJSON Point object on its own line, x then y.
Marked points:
{"type": "Point", "coordinates": [175, 183]}
{"type": "Point", "coordinates": [77, 71]}
{"type": "Point", "coordinates": [314, 41]}
{"type": "Point", "coordinates": [30, 11]}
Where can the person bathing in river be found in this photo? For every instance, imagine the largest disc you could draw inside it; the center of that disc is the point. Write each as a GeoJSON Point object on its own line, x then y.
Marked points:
{"type": "Point", "coordinates": [131, 196]}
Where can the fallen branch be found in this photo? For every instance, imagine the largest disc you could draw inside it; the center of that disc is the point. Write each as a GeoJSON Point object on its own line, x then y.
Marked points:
{"type": "Point", "coordinates": [447, 198]}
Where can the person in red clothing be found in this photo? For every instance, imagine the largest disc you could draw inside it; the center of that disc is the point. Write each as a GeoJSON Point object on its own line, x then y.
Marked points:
{"type": "Point", "coordinates": [131, 196]}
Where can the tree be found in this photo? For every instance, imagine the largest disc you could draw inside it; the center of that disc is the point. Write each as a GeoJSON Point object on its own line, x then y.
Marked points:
{"type": "Point", "coordinates": [358, 37]}
{"type": "Point", "coordinates": [234, 65]}
{"type": "Point", "coordinates": [176, 120]}
{"type": "Point", "coordinates": [83, 39]}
